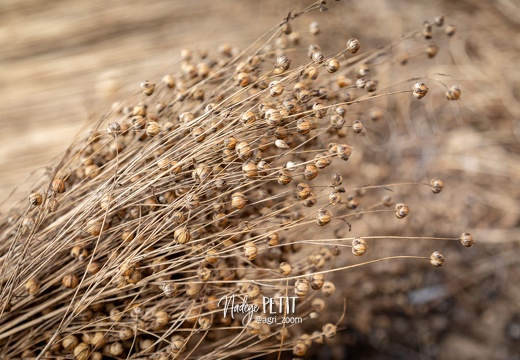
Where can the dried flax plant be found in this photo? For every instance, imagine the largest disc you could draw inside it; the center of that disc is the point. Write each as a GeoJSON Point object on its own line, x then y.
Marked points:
{"type": "Point", "coordinates": [222, 181]}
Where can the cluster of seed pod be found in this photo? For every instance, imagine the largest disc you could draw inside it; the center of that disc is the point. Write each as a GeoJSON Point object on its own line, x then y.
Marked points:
{"type": "Point", "coordinates": [198, 187]}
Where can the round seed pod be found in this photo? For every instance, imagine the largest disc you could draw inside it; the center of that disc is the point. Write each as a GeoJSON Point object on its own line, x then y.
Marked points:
{"type": "Point", "coordinates": [273, 117]}
{"type": "Point", "coordinates": [81, 351]}
{"type": "Point", "coordinates": [335, 198]}
{"type": "Point", "coordinates": [303, 126]}
{"type": "Point", "coordinates": [324, 217]}
{"type": "Point", "coordinates": [371, 85]}
{"type": "Point", "coordinates": [116, 349]}
{"type": "Point", "coordinates": [359, 246]}
{"type": "Point", "coordinates": [284, 177]}
{"type": "Point", "coordinates": [169, 80]}
{"type": "Point", "coordinates": [253, 291]}
{"type": "Point", "coordinates": [427, 31]}
{"type": "Point", "coordinates": [361, 83]}
{"type": "Point", "coordinates": [311, 171]}
{"type": "Point", "coordinates": [263, 167]}
{"type": "Point", "coordinates": [243, 150]}
{"type": "Point", "coordinates": [53, 205]}
{"type": "Point", "coordinates": [303, 191]}
{"type": "Point", "coordinates": [336, 179]}
{"type": "Point", "coordinates": [432, 50]}
{"type": "Point", "coordinates": [318, 57]}
{"type": "Point", "coordinates": [344, 151]}
{"type": "Point", "coordinates": [250, 170]}
{"type": "Point", "coordinates": [357, 126]}
{"type": "Point", "coordinates": [193, 289]}
{"type": "Point", "coordinates": [450, 30]}
{"type": "Point", "coordinates": [243, 79]}
{"type": "Point", "coordinates": [153, 129]}
{"type": "Point", "coordinates": [138, 122]}
{"type": "Point", "coordinates": [318, 304]}
{"type": "Point", "coordinates": [253, 328]}
{"type": "Point", "coordinates": [248, 118]}
{"type": "Point", "coordinates": [311, 200]}
{"type": "Point", "coordinates": [467, 239]}
{"type": "Point", "coordinates": [436, 259]}
{"type": "Point", "coordinates": [238, 200]}
{"type": "Point", "coordinates": [98, 340]}
{"type": "Point", "coordinates": [337, 121]}
{"type": "Point", "coordinates": [93, 268]}
{"type": "Point", "coordinates": [204, 322]}
{"type": "Point", "coordinates": [58, 186]}
{"type": "Point", "coordinates": [281, 144]}
{"type": "Point", "coordinates": [317, 281]}
{"type": "Point", "coordinates": [78, 252]}
{"type": "Point", "coordinates": [353, 202]}
{"type": "Point", "coordinates": [148, 87]}
{"type": "Point", "coordinates": [453, 93]}
{"type": "Point", "coordinates": [419, 90]}
{"type": "Point", "coordinates": [181, 235]}
{"type": "Point", "coordinates": [329, 330]}
{"type": "Point", "coordinates": [299, 348]}
{"type": "Point", "coordinates": [401, 210]}
{"type": "Point", "coordinates": [203, 273]}
{"type": "Point", "coordinates": [314, 28]}
{"type": "Point", "coordinates": [322, 160]}
{"type": "Point", "coordinates": [301, 287]}
{"type": "Point", "coordinates": [114, 128]}
{"type": "Point", "coordinates": [35, 199]}
{"type": "Point", "coordinates": [125, 333]}
{"type": "Point", "coordinates": [69, 343]}
{"type": "Point", "coordinates": [439, 20]}
{"type": "Point", "coordinates": [211, 256]}
{"type": "Point", "coordinates": [291, 165]}
{"type": "Point", "coordinates": [332, 65]}
{"type": "Point", "coordinates": [328, 288]}
{"type": "Point", "coordinates": [161, 318]}
{"type": "Point", "coordinates": [170, 289]}
{"type": "Point", "coordinates": [437, 185]}
{"type": "Point", "coordinates": [273, 238]}
{"type": "Point", "coordinates": [276, 88]}
{"type": "Point", "coordinates": [353, 45]}
{"type": "Point", "coordinates": [230, 143]}
{"type": "Point", "coordinates": [32, 286]}
{"type": "Point", "coordinates": [250, 250]}
{"type": "Point", "coordinates": [285, 268]}
{"type": "Point", "coordinates": [319, 110]}
{"type": "Point", "coordinates": [283, 62]}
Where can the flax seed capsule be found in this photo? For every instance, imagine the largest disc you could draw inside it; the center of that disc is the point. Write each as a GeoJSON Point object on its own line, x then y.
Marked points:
{"type": "Point", "coordinates": [453, 93]}
{"type": "Point", "coordinates": [357, 126]}
{"type": "Point", "coordinates": [148, 87]}
{"type": "Point", "coordinates": [250, 170]}
{"type": "Point", "coordinates": [153, 129]}
{"type": "Point", "coordinates": [419, 90]}
{"type": "Point", "coordinates": [250, 250]}
{"type": "Point", "coordinates": [467, 239]}
{"type": "Point", "coordinates": [359, 246]}
{"type": "Point", "coordinates": [344, 151]}
{"type": "Point", "coordinates": [238, 200]}
{"type": "Point", "coordinates": [436, 259]}
{"type": "Point", "coordinates": [284, 177]}
{"type": "Point", "coordinates": [311, 200]}
{"type": "Point", "coordinates": [81, 351]}
{"type": "Point", "coordinates": [401, 210]}
{"type": "Point", "coordinates": [58, 186]}
{"type": "Point", "coordinates": [243, 150]}
{"type": "Point", "coordinates": [332, 65]}
{"type": "Point", "coordinates": [353, 45]}
{"type": "Point", "coordinates": [328, 288]}
{"type": "Point", "coordinates": [329, 330]}
{"type": "Point", "coordinates": [285, 268]}
{"type": "Point", "coordinates": [303, 126]}
{"type": "Point", "coordinates": [36, 199]}
{"type": "Point", "coordinates": [248, 118]}
{"type": "Point", "coordinates": [301, 287]}
{"type": "Point", "coordinates": [181, 235]}
{"type": "Point", "coordinates": [324, 217]}
{"type": "Point", "coordinates": [276, 88]}
{"type": "Point", "coordinates": [436, 185]}
{"type": "Point", "coordinates": [311, 171]}
{"type": "Point", "coordinates": [32, 286]}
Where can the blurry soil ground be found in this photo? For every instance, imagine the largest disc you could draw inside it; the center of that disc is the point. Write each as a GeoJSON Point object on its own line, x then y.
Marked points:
{"type": "Point", "coordinates": [63, 63]}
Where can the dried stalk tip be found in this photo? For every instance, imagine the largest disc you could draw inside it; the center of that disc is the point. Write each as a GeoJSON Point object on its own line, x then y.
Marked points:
{"type": "Point", "coordinates": [436, 259]}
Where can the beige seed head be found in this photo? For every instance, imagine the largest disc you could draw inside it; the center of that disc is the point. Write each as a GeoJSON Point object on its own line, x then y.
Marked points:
{"type": "Point", "coordinates": [467, 239]}
{"type": "Point", "coordinates": [436, 259]}
{"type": "Point", "coordinates": [359, 246]}
{"type": "Point", "coordinates": [250, 250]}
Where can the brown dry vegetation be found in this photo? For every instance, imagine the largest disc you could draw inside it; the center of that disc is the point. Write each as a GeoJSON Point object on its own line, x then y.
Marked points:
{"type": "Point", "coordinates": [64, 64]}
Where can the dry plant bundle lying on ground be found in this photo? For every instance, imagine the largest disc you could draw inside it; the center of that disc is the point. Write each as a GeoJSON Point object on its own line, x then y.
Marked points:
{"type": "Point", "coordinates": [206, 186]}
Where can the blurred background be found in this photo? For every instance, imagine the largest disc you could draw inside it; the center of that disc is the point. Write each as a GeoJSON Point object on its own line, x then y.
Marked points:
{"type": "Point", "coordinates": [63, 64]}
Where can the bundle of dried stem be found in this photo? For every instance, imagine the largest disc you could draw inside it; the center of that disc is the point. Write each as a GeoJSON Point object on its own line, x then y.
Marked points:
{"type": "Point", "coordinates": [206, 186]}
